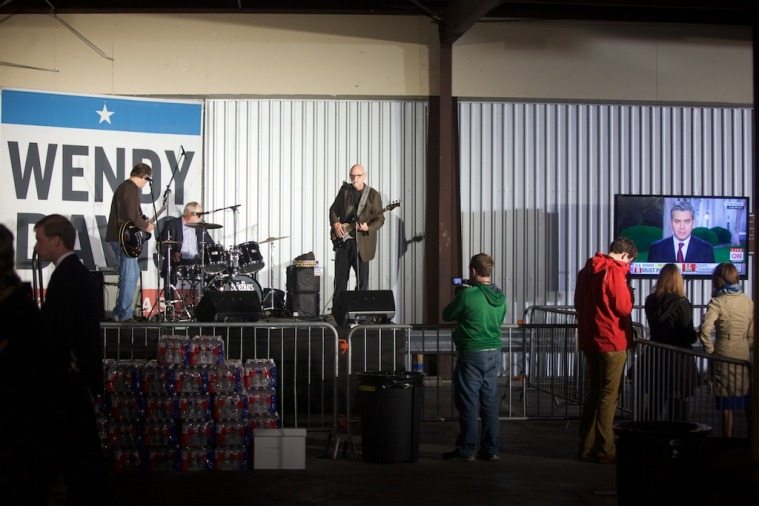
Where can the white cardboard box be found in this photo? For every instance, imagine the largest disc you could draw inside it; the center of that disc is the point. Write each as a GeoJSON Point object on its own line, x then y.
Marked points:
{"type": "Point", "coordinates": [279, 449]}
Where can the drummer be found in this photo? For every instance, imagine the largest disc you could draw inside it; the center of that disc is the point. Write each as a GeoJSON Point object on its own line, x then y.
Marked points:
{"type": "Point", "coordinates": [178, 237]}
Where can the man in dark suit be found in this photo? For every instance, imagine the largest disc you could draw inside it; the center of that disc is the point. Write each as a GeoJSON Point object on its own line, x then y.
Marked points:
{"type": "Point", "coordinates": [681, 246]}
{"type": "Point", "coordinates": [71, 310]}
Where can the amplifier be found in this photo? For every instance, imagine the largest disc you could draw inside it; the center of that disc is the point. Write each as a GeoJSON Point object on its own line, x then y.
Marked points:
{"type": "Point", "coordinates": [302, 280]}
{"type": "Point", "coordinates": [306, 305]}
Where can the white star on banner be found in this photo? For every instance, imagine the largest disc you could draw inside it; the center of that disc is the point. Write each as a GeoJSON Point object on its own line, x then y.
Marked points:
{"type": "Point", "coordinates": [105, 114]}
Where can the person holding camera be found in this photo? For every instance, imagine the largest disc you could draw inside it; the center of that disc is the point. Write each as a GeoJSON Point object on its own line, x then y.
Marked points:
{"type": "Point", "coordinates": [478, 309]}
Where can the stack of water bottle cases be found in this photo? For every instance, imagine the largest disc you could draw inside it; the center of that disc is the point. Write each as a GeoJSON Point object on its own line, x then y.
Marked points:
{"type": "Point", "coordinates": [189, 410]}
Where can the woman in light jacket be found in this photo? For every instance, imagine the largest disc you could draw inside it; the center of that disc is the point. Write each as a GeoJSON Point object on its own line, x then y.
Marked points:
{"type": "Point", "coordinates": [731, 314]}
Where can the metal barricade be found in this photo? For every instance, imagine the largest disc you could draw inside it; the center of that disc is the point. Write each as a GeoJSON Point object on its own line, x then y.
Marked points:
{"type": "Point", "coordinates": [375, 348]}
{"type": "Point", "coordinates": [677, 385]}
{"type": "Point", "coordinates": [541, 377]}
{"type": "Point", "coordinates": [305, 353]}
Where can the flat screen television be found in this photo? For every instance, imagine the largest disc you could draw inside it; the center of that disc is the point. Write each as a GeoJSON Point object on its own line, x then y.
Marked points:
{"type": "Point", "coordinates": [695, 232]}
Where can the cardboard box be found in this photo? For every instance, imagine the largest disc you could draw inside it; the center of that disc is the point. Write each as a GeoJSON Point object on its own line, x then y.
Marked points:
{"type": "Point", "coordinates": [279, 449]}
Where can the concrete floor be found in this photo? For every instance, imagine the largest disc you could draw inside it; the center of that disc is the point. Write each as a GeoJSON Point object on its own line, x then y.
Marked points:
{"type": "Point", "coordinates": [538, 466]}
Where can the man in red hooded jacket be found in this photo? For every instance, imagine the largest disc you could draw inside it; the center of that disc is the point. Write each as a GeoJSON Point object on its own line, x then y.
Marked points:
{"type": "Point", "coordinates": [604, 302]}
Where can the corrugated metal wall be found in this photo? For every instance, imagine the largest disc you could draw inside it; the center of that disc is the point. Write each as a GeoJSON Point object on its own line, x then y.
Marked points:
{"type": "Point", "coordinates": [538, 182]}
{"type": "Point", "coordinates": [283, 162]}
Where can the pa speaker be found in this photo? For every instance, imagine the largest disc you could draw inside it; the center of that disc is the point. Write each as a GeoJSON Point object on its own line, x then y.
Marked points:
{"type": "Point", "coordinates": [373, 305]}
{"type": "Point", "coordinates": [99, 279]}
{"type": "Point", "coordinates": [302, 279]}
{"type": "Point", "coordinates": [229, 306]}
{"type": "Point", "coordinates": [305, 305]}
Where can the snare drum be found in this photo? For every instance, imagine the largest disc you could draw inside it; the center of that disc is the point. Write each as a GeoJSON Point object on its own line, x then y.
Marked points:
{"type": "Point", "coordinates": [250, 260]}
{"type": "Point", "coordinates": [216, 259]}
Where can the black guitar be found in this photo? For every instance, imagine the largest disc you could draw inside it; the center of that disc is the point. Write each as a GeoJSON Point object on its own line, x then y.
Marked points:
{"type": "Point", "coordinates": [132, 238]}
{"type": "Point", "coordinates": [337, 242]}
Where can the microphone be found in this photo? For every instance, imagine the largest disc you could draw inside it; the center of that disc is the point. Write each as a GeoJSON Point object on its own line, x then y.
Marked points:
{"type": "Point", "coordinates": [201, 213]}
{"type": "Point", "coordinates": [182, 148]}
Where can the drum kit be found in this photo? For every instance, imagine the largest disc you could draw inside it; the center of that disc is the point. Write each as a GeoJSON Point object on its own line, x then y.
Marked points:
{"type": "Point", "coordinates": [218, 269]}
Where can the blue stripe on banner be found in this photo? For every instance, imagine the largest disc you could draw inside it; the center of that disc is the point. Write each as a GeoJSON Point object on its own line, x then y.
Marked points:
{"type": "Point", "coordinates": [99, 113]}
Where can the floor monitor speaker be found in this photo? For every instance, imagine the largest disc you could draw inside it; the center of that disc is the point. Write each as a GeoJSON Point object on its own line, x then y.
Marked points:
{"type": "Point", "coordinates": [229, 306]}
{"type": "Point", "coordinates": [366, 305]}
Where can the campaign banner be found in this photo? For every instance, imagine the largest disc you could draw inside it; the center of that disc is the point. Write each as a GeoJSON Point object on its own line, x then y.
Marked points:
{"type": "Point", "coordinates": [67, 153]}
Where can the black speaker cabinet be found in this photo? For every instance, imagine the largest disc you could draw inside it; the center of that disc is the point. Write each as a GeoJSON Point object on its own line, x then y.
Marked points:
{"type": "Point", "coordinates": [306, 305]}
{"type": "Point", "coordinates": [302, 279]}
{"type": "Point", "coordinates": [99, 278]}
{"type": "Point", "coordinates": [364, 305]}
{"type": "Point", "coordinates": [229, 306]}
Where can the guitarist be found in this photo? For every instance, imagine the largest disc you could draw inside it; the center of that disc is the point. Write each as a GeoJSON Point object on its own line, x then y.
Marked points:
{"type": "Point", "coordinates": [359, 206]}
{"type": "Point", "coordinates": [125, 206]}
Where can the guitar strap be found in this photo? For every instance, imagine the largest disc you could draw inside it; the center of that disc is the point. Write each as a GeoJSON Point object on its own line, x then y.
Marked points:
{"type": "Point", "coordinates": [362, 202]}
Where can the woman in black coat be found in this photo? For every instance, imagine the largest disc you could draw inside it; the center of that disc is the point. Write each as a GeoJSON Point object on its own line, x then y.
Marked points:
{"type": "Point", "coordinates": [669, 376]}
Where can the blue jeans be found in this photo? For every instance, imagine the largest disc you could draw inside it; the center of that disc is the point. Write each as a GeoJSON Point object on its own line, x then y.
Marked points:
{"type": "Point", "coordinates": [129, 275]}
{"type": "Point", "coordinates": [475, 383]}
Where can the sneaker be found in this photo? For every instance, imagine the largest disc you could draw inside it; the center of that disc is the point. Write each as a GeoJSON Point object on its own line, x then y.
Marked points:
{"type": "Point", "coordinates": [457, 457]}
{"type": "Point", "coordinates": [490, 457]}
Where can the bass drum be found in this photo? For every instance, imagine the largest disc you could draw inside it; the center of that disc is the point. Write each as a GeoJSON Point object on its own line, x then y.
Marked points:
{"type": "Point", "coordinates": [237, 283]}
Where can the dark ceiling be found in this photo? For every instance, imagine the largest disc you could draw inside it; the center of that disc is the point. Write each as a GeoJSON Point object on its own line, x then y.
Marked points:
{"type": "Point", "coordinates": [683, 11]}
{"type": "Point", "coordinates": [454, 17]}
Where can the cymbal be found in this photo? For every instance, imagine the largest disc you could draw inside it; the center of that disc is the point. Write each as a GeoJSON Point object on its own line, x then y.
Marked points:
{"type": "Point", "coordinates": [170, 244]}
{"type": "Point", "coordinates": [204, 225]}
{"type": "Point", "coordinates": [272, 239]}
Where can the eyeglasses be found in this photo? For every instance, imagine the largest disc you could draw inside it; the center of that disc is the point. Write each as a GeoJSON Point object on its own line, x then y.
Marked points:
{"type": "Point", "coordinates": [356, 175]}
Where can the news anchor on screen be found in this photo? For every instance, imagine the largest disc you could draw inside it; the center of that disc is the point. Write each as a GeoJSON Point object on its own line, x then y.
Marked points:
{"type": "Point", "coordinates": [681, 246]}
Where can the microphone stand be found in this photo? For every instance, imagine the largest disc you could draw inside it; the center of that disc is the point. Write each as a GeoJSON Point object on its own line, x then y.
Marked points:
{"type": "Point", "coordinates": [159, 253]}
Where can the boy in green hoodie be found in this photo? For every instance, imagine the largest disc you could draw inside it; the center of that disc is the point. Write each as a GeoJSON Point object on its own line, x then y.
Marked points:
{"type": "Point", "coordinates": [478, 310]}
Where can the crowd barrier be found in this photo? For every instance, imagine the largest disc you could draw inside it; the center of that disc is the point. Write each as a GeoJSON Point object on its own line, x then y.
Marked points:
{"type": "Point", "coordinates": [305, 353]}
{"type": "Point", "coordinates": [678, 385]}
{"type": "Point", "coordinates": [541, 377]}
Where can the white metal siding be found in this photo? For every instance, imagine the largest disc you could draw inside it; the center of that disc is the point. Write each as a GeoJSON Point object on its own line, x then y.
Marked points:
{"type": "Point", "coordinates": [283, 162]}
{"type": "Point", "coordinates": [538, 182]}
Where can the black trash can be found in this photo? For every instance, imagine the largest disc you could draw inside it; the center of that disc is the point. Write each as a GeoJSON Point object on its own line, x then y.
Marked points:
{"type": "Point", "coordinates": [390, 404]}
{"type": "Point", "coordinates": [658, 462]}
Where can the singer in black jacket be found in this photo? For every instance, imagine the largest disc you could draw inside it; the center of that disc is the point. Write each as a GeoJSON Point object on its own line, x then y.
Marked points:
{"type": "Point", "coordinates": [355, 217]}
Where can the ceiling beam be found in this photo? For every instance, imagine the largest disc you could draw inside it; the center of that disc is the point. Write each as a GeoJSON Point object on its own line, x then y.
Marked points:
{"type": "Point", "coordinates": [460, 15]}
